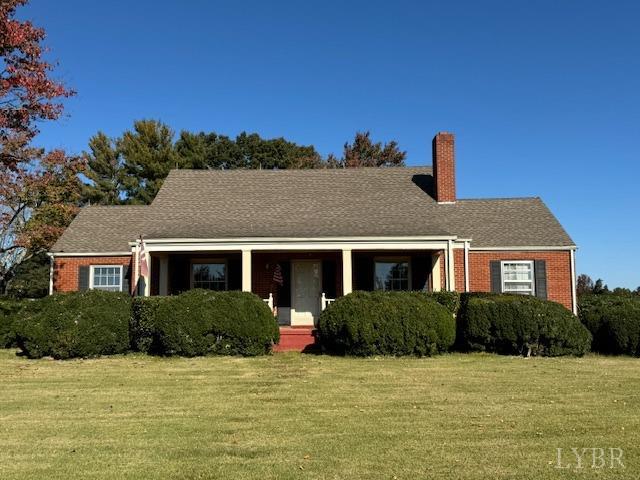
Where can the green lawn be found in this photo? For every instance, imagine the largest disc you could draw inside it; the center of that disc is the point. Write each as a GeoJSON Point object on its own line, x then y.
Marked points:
{"type": "Point", "coordinates": [307, 416]}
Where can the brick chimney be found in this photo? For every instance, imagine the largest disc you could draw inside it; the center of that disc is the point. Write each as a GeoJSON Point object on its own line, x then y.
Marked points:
{"type": "Point", "coordinates": [444, 168]}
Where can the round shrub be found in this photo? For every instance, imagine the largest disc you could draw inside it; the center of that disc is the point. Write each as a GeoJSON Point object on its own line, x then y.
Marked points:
{"type": "Point", "coordinates": [614, 322]}
{"type": "Point", "coordinates": [386, 323]}
{"type": "Point", "coordinates": [202, 322]}
{"type": "Point", "coordinates": [519, 325]}
{"type": "Point", "coordinates": [80, 324]}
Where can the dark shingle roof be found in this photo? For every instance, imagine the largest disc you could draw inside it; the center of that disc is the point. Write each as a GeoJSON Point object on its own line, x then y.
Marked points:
{"type": "Point", "coordinates": [509, 222]}
{"type": "Point", "coordinates": [102, 229]}
{"type": "Point", "coordinates": [311, 203]}
{"type": "Point", "coordinates": [295, 203]}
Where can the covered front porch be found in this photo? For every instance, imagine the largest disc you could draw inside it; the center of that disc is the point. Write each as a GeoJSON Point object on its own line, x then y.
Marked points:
{"type": "Point", "coordinates": [299, 279]}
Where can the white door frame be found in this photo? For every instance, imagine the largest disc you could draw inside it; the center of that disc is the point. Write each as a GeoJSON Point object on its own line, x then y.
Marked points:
{"type": "Point", "coordinates": [293, 321]}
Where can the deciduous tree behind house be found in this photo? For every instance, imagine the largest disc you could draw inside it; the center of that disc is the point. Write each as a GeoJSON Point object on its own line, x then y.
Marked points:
{"type": "Point", "coordinates": [32, 210]}
{"type": "Point", "coordinates": [27, 93]}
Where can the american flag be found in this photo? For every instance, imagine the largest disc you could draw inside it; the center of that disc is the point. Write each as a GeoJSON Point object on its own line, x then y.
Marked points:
{"type": "Point", "coordinates": [277, 275]}
{"type": "Point", "coordinates": [142, 260]}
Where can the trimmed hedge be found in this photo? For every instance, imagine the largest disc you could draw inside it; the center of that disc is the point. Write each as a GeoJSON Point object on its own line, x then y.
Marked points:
{"type": "Point", "coordinates": [80, 324]}
{"type": "Point", "coordinates": [614, 322]}
{"type": "Point", "coordinates": [386, 323]}
{"type": "Point", "coordinates": [202, 322]}
{"type": "Point", "coordinates": [142, 323]}
{"type": "Point", "coordinates": [519, 325]}
{"type": "Point", "coordinates": [9, 310]}
{"type": "Point", "coordinates": [449, 300]}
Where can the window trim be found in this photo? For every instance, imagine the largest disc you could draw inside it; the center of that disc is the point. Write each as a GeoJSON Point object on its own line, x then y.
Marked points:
{"type": "Point", "coordinates": [198, 261]}
{"type": "Point", "coordinates": [533, 276]}
{"type": "Point", "coordinates": [92, 273]}
{"type": "Point", "coordinates": [393, 259]}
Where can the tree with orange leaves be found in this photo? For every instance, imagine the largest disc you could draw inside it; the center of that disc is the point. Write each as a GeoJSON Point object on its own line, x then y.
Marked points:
{"type": "Point", "coordinates": [39, 191]}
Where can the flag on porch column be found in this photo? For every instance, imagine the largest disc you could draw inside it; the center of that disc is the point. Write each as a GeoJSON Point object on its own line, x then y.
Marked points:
{"type": "Point", "coordinates": [277, 275]}
{"type": "Point", "coordinates": [142, 260]}
{"type": "Point", "coordinates": [142, 269]}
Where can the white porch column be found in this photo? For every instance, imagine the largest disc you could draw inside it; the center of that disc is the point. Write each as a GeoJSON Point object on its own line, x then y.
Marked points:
{"type": "Point", "coordinates": [451, 271]}
{"type": "Point", "coordinates": [51, 264]}
{"type": "Point", "coordinates": [347, 272]}
{"type": "Point", "coordinates": [436, 283]}
{"type": "Point", "coordinates": [246, 270]}
{"type": "Point", "coordinates": [135, 272]}
{"type": "Point", "coordinates": [466, 266]}
{"type": "Point", "coordinates": [163, 288]}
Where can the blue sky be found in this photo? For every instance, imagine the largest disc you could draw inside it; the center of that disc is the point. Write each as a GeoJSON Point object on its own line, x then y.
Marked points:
{"type": "Point", "coordinates": [543, 96]}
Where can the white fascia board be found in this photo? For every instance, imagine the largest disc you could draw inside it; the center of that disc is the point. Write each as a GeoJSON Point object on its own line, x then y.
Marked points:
{"type": "Point", "coordinates": [522, 249]}
{"type": "Point", "coordinates": [297, 239]}
{"type": "Point", "coordinates": [461, 242]}
{"type": "Point", "coordinates": [337, 243]}
{"type": "Point", "coordinates": [204, 247]}
{"type": "Point", "coordinates": [354, 243]}
{"type": "Point", "coordinates": [89, 254]}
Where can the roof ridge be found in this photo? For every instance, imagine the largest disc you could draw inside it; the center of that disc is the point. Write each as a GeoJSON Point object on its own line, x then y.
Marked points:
{"type": "Point", "coordinates": [478, 199]}
{"type": "Point", "coordinates": [300, 170]}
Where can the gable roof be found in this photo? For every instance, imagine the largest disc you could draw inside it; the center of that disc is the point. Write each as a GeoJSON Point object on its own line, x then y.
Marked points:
{"type": "Point", "coordinates": [101, 229]}
{"type": "Point", "coordinates": [380, 202]}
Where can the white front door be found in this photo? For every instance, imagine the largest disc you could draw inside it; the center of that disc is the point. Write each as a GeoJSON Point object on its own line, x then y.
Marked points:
{"type": "Point", "coordinates": [306, 289]}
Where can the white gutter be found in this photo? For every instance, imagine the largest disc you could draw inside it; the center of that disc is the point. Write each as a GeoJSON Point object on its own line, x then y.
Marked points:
{"type": "Point", "coordinates": [525, 248]}
{"type": "Point", "coordinates": [574, 295]}
{"type": "Point", "coordinates": [257, 244]}
{"type": "Point", "coordinates": [91, 254]}
{"type": "Point", "coordinates": [416, 238]}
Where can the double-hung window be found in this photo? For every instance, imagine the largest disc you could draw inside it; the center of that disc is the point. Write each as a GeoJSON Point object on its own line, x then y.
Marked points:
{"type": "Point", "coordinates": [209, 275]}
{"type": "Point", "coordinates": [106, 277]}
{"type": "Point", "coordinates": [391, 275]}
{"type": "Point", "coordinates": [517, 277]}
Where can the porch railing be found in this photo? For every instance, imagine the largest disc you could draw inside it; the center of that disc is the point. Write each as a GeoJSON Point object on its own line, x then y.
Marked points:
{"type": "Point", "coordinates": [269, 301]}
{"type": "Point", "coordinates": [325, 302]}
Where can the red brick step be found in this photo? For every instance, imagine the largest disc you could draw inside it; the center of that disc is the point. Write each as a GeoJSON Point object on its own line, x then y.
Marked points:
{"type": "Point", "coordinates": [296, 339]}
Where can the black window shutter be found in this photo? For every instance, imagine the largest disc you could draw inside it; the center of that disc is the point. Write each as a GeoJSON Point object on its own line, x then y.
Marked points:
{"type": "Point", "coordinates": [83, 278]}
{"type": "Point", "coordinates": [329, 278]}
{"type": "Point", "coordinates": [234, 273]}
{"type": "Point", "coordinates": [540, 272]}
{"type": "Point", "coordinates": [420, 268]}
{"type": "Point", "coordinates": [496, 276]}
{"type": "Point", "coordinates": [284, 291]}
{"type": "Point", "coordinates": [126, 279]}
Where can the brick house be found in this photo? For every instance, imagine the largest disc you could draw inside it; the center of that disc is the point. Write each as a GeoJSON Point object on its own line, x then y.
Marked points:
{"type": "Point", "coordinates": [301, 238]}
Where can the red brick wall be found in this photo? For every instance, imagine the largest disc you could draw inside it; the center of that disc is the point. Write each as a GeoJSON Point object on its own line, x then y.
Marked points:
{"type": "Point", "coordinates": [558, 263]}
{"type": "Point", "coordinates": [458, 256]}
{"type": "Point", "coordinates": [558, 266]}
{"type": "Point", "coordinates": [65, 270]}
{"type": "Point", "coordinates": [444, 170]}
